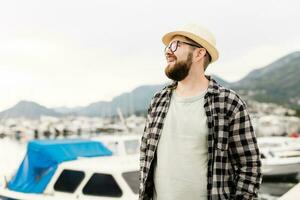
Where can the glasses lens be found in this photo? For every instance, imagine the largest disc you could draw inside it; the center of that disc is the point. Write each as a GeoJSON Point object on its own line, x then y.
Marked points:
{"type": "Point", "coordinates": [173, 46]}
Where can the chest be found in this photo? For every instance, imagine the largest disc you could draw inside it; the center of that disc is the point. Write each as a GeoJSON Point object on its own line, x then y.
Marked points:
{"type": "Point", "coordinates": [208, 117]}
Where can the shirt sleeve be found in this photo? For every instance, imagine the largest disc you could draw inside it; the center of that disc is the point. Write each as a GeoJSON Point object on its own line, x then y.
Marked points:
{"type": "Point", "coordinates": [245, 155]}
{"type": "Point", "coordinates": [143, 148]}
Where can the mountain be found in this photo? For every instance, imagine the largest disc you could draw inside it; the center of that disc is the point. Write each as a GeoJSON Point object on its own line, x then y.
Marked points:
{"type": "Point", "coordinates": [277, 82]}
{"type": "Point", "coordinates": [64, 109]}
{"type": "Point", "coordinates": [136, 101]}
{"type": "Point", "coordinates": [28, 109]}
{"type": "Point", "coordinates": [221, 81]}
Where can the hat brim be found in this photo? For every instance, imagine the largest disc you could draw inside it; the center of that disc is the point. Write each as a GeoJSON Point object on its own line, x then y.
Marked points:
{"type": "Point", "coordinates": [166, 39]}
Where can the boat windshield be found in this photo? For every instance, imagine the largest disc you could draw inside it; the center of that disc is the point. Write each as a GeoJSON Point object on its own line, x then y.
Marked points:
{"type": "Point", "coordinates": [132, 146]}
{"type": "Point", "coordinates": [102, 185]}
{"type": "Point", "coordinates": [68, 181]}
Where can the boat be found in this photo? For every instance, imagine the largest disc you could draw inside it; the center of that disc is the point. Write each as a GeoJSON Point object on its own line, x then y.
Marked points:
{"type": "Point", "coordinates": [72, 169]}
{"type": "Point", "coordinates": [121, 144]}
{"type": "Point", "coordinates": [280, 156]}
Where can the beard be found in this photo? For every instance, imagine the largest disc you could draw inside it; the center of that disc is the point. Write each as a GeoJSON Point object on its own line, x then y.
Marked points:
{"type": "Point", "coordinates": [179, 70]}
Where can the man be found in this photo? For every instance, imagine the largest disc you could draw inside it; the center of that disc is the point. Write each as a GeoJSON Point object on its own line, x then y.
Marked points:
{"type": "Point", "coordinates": [198, 142]}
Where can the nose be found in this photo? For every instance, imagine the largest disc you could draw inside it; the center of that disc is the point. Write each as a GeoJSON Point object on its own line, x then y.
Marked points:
{"type": "Point", "coordinates": [168, 52]}
{"type": "Point", "coordinates": [169, 55]}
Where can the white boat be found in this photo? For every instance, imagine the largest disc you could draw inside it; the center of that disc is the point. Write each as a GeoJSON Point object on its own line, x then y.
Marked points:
{"type": "Point", "coordinates": [100, 177]}
{"type": "Point", "coordinates": [280, 155]}
{"type": "Point", "coordinates": [121, 144]}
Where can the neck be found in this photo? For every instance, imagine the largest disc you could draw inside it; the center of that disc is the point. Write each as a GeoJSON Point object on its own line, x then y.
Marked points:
{"type": "Point", "coordinates": [193, 84]}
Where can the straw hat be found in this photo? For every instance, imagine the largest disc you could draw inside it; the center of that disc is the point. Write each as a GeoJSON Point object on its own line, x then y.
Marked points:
{"type": "Point", "coordinates": [197, 33]}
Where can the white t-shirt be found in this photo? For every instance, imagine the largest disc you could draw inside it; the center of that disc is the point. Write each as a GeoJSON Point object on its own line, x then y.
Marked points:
{"type": "Point", "coordinates": [180, 170]}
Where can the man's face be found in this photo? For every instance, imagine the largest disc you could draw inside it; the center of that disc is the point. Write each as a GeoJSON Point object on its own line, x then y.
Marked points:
{"type": "Point", "coordinates": [179, 62]}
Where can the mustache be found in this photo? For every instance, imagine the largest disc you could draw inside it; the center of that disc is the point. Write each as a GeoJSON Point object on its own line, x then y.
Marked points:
{"type": "Point", "coordinates": [168, 55]}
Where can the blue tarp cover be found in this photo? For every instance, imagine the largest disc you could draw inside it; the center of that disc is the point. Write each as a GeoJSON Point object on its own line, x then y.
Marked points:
{"type": "Point", "coordinates": [43, 158]}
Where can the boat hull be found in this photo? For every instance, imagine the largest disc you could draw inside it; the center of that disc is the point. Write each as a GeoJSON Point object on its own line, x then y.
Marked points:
{"type": "Point", "coordinates": [281, 169]}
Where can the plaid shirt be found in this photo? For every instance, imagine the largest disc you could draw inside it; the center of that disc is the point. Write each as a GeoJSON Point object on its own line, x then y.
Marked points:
{"type": "Point", "coordinates": [234, 165]}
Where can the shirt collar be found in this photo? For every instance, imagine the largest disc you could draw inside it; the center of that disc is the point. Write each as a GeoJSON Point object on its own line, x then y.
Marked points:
{"type": "Point", "coordinates": [213, 86]}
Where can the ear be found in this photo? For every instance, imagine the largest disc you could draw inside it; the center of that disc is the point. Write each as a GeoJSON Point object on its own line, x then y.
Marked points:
{"type": "Point", "coordinates": [199, 53]}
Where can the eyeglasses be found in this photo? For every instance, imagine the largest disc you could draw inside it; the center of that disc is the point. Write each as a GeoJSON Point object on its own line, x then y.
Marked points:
{"type": "Point", "coordinates": [174, 45]}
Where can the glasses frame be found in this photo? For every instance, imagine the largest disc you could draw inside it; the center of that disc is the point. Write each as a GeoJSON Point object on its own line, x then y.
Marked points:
{"type": "Point", "coordinates": [179, 42]}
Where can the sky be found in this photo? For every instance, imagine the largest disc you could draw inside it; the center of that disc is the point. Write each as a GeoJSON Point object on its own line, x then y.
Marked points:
{"type": "Point", "coordinates": [74, 52]}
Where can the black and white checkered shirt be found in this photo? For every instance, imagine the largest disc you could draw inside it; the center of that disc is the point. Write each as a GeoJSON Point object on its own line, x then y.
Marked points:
{"type": "Point", "coordinates": [234, 165]}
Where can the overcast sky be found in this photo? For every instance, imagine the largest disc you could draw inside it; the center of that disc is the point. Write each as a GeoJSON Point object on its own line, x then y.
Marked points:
{"type": "Point", "coordinates": [72, 53]}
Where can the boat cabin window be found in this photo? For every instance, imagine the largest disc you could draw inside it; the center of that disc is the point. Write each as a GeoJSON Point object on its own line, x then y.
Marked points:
{"type": "Point", "coordinates": [113, 146]}
{"type": "Point", "coordinates": [68, 181]}
{"type": "Point", "coordinates": [102, 185]}
{"type": "Point", "coordinates": [132, 146]}
{"type": "Point", "coordinates": [132, 179]}
{"type": "Point", "coordinates": [269, 145]}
